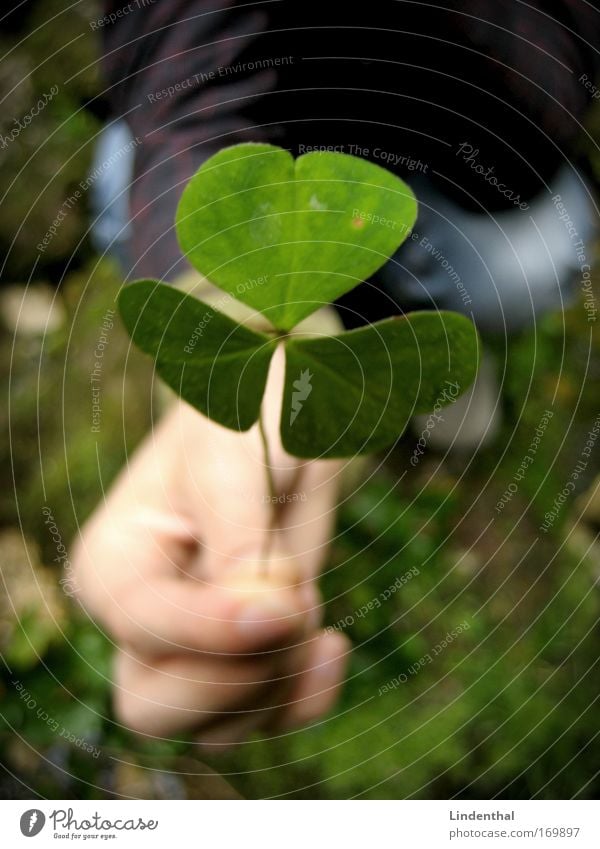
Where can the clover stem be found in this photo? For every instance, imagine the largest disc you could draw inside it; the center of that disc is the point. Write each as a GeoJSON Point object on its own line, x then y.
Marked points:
{"type": "Point", "coordinates": [272, 492]}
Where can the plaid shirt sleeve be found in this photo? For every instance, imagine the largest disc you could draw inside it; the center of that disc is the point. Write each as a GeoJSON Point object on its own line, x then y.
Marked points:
{"type": "Point", "coordinates": [554, 46]}
{"type": "Point", "coordinates": [162, 61]}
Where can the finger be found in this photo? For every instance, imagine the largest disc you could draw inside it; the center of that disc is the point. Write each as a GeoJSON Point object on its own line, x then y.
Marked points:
{"type": "Point", "coordinates": [180, 692]}
{"type": "Point", "coordinates": [225, 485]}
{"type": "Point", "coordinates": [298, 698]}
{"type": "Point", "coordinates": [305, 526]}
{"type": "Point", "coordinates": [319, 684]}
{"type": "Point", "coordinates": [249, 614]}
{"type": "Point", "coordinates": [228, 700]}
{"type": "Point", "coordinates": [229, 731]}
{"type": "Point", "coordinates": [133, 576]}
{"type": "Point", "coordinates": [242, 523]}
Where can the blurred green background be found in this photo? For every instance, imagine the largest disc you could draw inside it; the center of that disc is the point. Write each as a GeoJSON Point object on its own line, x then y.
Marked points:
{"type": "Point", "coordinates": [508, 709]}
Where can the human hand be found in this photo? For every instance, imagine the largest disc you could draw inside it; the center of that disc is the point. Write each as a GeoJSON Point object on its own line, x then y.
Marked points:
{"type": "Point", "coordinates": [211, 636]}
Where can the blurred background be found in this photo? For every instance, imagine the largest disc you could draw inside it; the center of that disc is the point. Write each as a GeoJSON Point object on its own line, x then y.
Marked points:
{"type": "Point", "coordinates": [508, 706]}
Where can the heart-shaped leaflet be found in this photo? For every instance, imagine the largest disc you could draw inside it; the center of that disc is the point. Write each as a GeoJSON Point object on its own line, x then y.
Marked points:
{"type": "Point", "coordinates": [288, 236]}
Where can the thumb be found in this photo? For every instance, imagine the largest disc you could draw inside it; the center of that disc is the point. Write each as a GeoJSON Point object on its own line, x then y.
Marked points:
{"type": "Point", "coordinates": [245, 611]}
{"type": "Point", "coordinates": [271, 593]}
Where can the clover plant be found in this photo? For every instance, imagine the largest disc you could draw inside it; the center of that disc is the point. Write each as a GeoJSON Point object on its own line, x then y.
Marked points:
{"type": "Point", "coordinates": [286, 237]}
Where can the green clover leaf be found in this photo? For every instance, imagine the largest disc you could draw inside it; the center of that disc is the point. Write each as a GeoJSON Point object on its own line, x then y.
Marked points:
{"type": "Point", "coordinates": [355, 393]}
{"type": "Point", "coordinates": [215, 364]}
{"type": "Point", "coordinates": [309, 231]}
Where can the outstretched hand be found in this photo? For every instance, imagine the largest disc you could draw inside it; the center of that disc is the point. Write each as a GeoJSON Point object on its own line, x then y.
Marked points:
{"type": "Point", "coordinates": [209, 589]}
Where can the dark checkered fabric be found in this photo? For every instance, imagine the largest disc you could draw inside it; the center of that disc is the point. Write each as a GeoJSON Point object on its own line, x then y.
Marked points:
{"type": "Point", "coordinates": [402, 78]}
